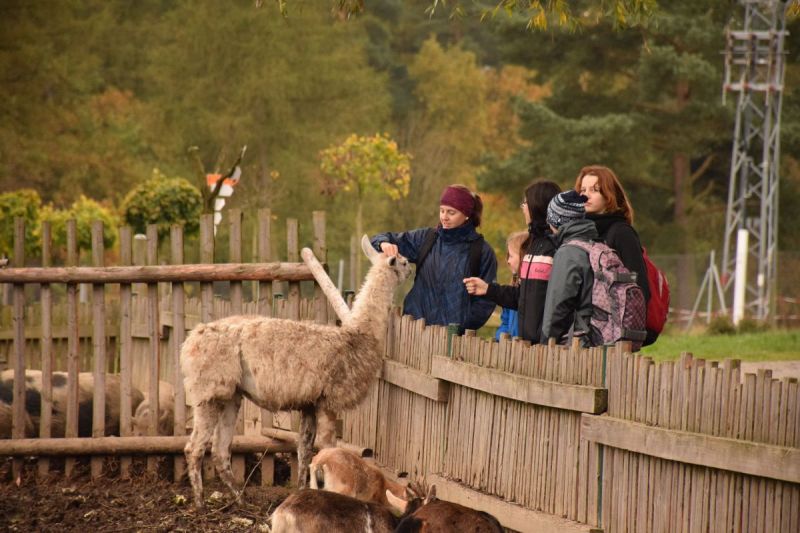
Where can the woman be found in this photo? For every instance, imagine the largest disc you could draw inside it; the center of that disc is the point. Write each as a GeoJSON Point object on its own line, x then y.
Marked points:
{"type": "Point", "coordinates": [611, 211]}
{"type": "Point", "coordinates": [528, 297]}
{"type": "Point", "coordinates": [444, 257]}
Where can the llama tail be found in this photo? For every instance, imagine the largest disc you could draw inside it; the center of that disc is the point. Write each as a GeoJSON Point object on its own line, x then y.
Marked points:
{"type": "Point", "coordinates": [305, 443]}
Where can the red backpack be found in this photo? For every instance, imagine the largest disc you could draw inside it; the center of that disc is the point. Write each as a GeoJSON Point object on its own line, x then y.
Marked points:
{"type": "Point", "coordinates": [658, 305]}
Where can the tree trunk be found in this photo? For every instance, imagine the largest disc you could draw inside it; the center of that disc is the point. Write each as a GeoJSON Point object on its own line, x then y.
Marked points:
{"type": "Point", "coordinates": [681, 171]}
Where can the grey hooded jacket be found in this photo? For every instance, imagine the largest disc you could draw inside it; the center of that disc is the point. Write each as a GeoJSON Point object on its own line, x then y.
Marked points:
{"type": "Point", "coordinates": [569, 292]}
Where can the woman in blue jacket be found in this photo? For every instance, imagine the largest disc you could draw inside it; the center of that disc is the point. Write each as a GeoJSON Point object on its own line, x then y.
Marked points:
{"type": "Point", "coordinates": [444, 256]}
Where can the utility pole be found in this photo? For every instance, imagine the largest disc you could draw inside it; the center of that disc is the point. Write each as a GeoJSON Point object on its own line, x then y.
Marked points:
{"type": "Point", "coordinates": [754, 69]}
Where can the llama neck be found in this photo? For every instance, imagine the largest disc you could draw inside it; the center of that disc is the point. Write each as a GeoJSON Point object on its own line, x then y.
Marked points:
{"type": "Point", "coordinates": [371, 307]}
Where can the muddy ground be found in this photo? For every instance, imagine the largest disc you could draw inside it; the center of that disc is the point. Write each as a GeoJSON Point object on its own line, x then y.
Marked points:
{"type": "Point", "coordinates": [148, 502]}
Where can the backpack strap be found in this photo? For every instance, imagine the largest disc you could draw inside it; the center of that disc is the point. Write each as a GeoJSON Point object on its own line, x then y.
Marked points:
{"type": "Point", "coordinates": [475, 250]}
{"type": "Point", "coordinates": [425, 249]}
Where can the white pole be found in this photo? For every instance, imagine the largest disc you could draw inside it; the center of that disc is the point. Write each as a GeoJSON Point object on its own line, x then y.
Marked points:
{"type": "Point", "coordinates": [740, 275]}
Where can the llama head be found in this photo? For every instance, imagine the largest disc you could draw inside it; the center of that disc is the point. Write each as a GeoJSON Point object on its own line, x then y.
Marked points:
{"type": "Point", "coordinates": [399, 265]}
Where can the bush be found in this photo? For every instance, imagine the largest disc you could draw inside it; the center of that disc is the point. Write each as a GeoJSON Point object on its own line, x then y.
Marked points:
{"type": "Point", "coordinates": [84, 211]}
{"type": "Point", "coordinates": [721, 325]}
{"type": "Point", "coordinates": [750, 325]}
{"type": "Point", "coordinates": [163, 201]}
{"type": "Point", "coordinates": [24, 203]}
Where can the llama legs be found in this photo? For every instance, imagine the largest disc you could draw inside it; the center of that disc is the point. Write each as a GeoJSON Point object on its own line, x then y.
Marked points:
{"type": "Point", "coordinates": [305, 444]}
{"type": "Point", "coordinates": [206, 416]}
{"type": "Point", "coordinates": [221, 445]}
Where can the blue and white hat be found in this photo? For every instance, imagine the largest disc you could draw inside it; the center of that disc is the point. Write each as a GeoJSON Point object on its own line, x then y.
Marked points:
{"type": "Point", "coordinates": [566, 207]}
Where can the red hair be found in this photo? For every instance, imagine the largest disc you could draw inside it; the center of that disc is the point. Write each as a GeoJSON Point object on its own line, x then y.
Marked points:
{"type": "Point", "coordinates": [611, 189]}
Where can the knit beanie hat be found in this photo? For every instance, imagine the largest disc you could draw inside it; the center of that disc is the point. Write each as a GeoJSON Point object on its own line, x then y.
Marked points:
{"type": "Point", "coordinates": [459, 199]}
{"type": "Point", "coordinates": [566, 207]}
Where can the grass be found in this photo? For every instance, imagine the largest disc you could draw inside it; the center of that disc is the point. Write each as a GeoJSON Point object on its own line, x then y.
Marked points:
{"type": "Point", "coordinates": [774, 345]}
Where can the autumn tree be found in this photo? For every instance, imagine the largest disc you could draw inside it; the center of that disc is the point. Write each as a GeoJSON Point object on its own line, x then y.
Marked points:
{"type": "Point", "coordinates": [362, 164]}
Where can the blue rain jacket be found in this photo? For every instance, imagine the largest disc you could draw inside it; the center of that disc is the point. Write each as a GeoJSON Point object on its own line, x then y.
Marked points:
{"type": "Point", "coordinates": [438, 294]}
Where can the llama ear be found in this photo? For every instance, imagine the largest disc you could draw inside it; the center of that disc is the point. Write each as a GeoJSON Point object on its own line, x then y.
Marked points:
{"type": "Point", "coordinates": [392, 260]}
{"type": "Point", "coordinates": [398, 504]}
{"type": "Point", "coordinates": [369, 251]}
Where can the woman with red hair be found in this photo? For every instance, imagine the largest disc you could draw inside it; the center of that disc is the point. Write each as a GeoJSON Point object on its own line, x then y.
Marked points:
{"type": "Point", "coordinates": [611, 211]}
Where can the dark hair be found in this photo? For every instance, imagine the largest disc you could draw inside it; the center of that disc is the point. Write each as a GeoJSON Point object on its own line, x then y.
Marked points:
{"type": "Point", "coordinates": [477, 210]}
{"type": "Point", "coordinates": [538, 195]}
{"type": "Point", "coordinates": [611, 189]}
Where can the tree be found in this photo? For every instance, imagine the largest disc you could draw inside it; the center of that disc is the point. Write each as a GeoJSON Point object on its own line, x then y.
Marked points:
{"type": "Point", "coordinates": [163, 201]}
{"type": "Point", "coordinates": [361, 164]}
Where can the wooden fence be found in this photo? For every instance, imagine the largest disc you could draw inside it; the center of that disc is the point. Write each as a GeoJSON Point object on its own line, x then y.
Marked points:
{"type": "Point", "coordinates": [558, 439]}
{"type": "Point", "coordinates": [547, 438]}
{"type": "Point", "coordinates": [134, 326]}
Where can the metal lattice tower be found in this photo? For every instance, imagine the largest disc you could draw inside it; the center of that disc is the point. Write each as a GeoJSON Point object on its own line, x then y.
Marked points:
{"type": "Point", "coordinates": [754, 67]}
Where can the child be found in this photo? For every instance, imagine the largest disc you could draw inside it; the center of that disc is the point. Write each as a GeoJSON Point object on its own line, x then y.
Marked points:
{"type": "Point", "coordinates": [568, 306]}
{"type": "Point", "coordinates": [509, 319]}
{"type": "Point", "coordinates": [528, 296]}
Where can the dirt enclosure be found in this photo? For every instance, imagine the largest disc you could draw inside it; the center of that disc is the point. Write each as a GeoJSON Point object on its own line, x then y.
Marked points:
{"type": "Point", "coordinates": [147, 502]}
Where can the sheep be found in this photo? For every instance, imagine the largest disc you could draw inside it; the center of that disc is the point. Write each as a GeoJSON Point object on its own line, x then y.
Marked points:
{"type": "Point", "coordinates": [345, 472]}
{"type": "Point", "coordinates": [283, 364]}
{"type": "Point", "coordinates": [33, 400]}
{"type": "Point", "coordinates": [6, 417]}
{"type": "Point", "coordinates": [317, 511]}
{"type": "Point", "coordinates": [433, 515]}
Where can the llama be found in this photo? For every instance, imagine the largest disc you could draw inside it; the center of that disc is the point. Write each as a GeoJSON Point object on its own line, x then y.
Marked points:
{"type": "Point", "coordinates": [281, 365]}
{"type": "Point", "coordinates": [345, 472]}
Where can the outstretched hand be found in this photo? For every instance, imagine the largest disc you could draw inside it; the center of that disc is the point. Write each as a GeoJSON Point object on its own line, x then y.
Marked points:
{"type": "Point", "coordinates": [476, 286]}
{"type": "Point", "coordinates": [389, 249]}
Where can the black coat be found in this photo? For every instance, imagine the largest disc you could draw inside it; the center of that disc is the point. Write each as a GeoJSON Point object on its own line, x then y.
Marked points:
{"type": "Point", "coordinates": [615, 231]}
{"type": "Point", "coordinates": [529, 296]}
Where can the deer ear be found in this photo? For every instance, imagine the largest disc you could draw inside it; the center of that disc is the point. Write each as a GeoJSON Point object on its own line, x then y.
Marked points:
{"type": "Point", "coordinates": [431, 494]}
{"type": "Point", "coordinates": [398, 504]}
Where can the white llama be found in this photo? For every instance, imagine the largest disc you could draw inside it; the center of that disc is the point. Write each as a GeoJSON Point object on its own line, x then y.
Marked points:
{"type": "Point", "coordinates": [284, 364]}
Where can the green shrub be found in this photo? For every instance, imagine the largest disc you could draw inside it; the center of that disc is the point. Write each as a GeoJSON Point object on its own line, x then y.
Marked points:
{"type": "Point", "coordinates": [163, 201]}
{"type": "Point", "coordinates": [750, 325]}
{"type": "Point", "coordinates": [721, 325]}
{"type": "Point", "coordinates": [24, 203]}
{"type": "Point", "coordinates": [84, 211]}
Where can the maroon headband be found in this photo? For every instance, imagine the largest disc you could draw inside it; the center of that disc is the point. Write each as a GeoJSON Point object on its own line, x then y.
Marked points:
{"type": "Point", "coordinates": [459, 199]}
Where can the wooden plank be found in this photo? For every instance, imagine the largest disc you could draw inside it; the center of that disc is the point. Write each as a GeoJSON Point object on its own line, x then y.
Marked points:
{"type": "Point", "coordinates": [18, 413]}
{"type": "Point", "coordinates": [46, 303]}
{"type": "Point", "coordinates": [73, 345]}
{"type": "Point", "coordinates": [521, 388]}
{"type": "Point", "coordinates": [98, 347]}
{"type": "Point", "coordinates": [130, 445]}
{"type": "Point", "coordinates": [755, 459]}
{"type": "Point", "coordinates": [176, 338]}
{"type": "Point", "coordinates": [154, 352]}
{"type": "Point", "coordinates": [160, 273]}
{"type": "Point", "coordinates": [236, 297]}
{"type": "Point", "coordinates": [125, 347]}
{"type": "Point", "coordinates": [415, 381]}
{"type": "Point", "coordinates": [509, 514]}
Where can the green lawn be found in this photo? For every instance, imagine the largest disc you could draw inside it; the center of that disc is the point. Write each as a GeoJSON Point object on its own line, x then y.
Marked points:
{"type": "Point", "coordinates": [778, 345]}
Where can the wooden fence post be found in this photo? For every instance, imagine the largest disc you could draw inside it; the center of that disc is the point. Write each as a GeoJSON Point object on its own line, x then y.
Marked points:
{"type": "Point", "coordinates": [178, 335]}
{"type": "Point", "coordinates": [98, 347]}
{"type": "Point", "coordinates": [18, 414]}
{"type": "Point", "coordinates": [155, 342]}
{"type": "Point", "coordinates": [264, 306]}
{"type": "Point", "coordinates": [47, 348]}
{"type": "Point", "coordinates": [235, 256]}
{"type": "Point", "coordinates": [125, 346]}
{"type": "Point", "coordinates": [73, 344]}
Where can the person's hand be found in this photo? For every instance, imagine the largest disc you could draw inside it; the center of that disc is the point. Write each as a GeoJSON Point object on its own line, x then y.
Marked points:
{"type": "Point", "coordinates": [476, 286]}
{"type": "Point", "coordinates": [389, 249]}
